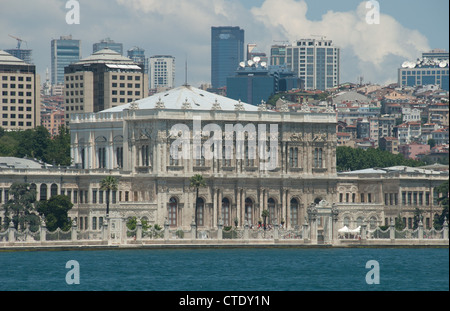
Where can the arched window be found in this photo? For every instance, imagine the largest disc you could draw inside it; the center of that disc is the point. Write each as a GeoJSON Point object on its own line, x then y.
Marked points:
{"type": "Point", "coordinates": [200, 210]}
{"type": "Point", "coordinates": [373, 223]}
{"type": "Point", "coordinates": [173, 206]}
{"type": "Point", "coordinates": [249, 211]}
{"type": "Point", "coordinates": [347, 221]}
{"type": "Point", "coordinates": [272, 211]}
{"type": "Point", "coordinates": [359, 221]}
{"type": "Point", "coordinates": [43, 192]}
{"type": "Point", "coordinates": [226, 211]}
{"type": "Point", "coordinates": [53, 190]}
{"type": "Point", "coordinates": [294, 212]}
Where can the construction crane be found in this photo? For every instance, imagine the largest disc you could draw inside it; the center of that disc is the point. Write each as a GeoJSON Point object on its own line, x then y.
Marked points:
{"type": "Point", "coordinates": [19, 41]}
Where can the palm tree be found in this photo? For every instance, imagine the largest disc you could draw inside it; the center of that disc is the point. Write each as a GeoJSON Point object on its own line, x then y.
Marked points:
{"type": "Point", "coordinates": [265, 214]}
{"type": "Point", "coordinates": [108, 183]}
{"type": "Point", "coordinates": [197, 181]}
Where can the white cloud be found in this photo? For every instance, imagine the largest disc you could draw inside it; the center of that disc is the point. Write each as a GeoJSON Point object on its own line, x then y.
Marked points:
{"type": "Point", "coordinates": [373, 45]}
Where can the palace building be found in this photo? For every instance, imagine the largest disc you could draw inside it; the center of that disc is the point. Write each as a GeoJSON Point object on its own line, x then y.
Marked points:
{"type": "Point", "coordinates": [252, 159]}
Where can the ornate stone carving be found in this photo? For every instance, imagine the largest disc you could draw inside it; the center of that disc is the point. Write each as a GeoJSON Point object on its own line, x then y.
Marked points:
{"type": "Point", "coordinates": [297, 137]}
{"type": "Point", "coordinates": [239, 106]}
{"type": "Point", "coordinates": [216, 106]}
{"type": "Point", "coordinates": [263, 106]}
{"type": "Point", "coordinates": [320, 137]}
{"type": "Point", "coordinates": [186, 105]}
{"type": "Point", "coordinates": [305, 108]}
{"type": "Point", "coordinates": [160, 104]}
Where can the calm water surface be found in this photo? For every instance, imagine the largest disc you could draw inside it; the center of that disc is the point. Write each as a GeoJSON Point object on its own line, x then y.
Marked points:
{"type": "Point", "coordinates": [271, 269]}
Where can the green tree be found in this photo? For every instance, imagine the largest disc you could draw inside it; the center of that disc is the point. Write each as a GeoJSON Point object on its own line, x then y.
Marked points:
{"type": "Point", "coordinates": [58, 150]}
{"type": "Point", "coordinates": [417, 216]}
{"type": "Point", "coordinates": [108, 184]}
{"type": "Point", "coordinates": [8, 146]}
{"type": "Point", "coordinates": [442, 190]}
{"type": "Point", "coordinates": [197, 181]}
{"type": "Point", "coordinates": [20, 207]}
{"type": "Point", "coordinates": [55, 212]}
{"type": "Point", "coordinates": [399, 225]}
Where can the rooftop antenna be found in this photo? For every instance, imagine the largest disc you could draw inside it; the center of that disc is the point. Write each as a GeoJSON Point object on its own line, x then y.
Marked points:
{"type": "Point", "coordinates": [185, 73]}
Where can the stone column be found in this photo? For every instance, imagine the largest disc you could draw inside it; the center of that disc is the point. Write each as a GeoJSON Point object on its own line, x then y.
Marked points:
{"type": "Point", "coordinates": [275, 231]}
{"type": "Point", "coordinates": [74, 230]}
{"type": "Point", "coordinates": [246, 231]}
{"type": "Point", "coordinates": [105, 232]}
{"type": "Point", "coordinates": [138, 230]}
{"type": "Point", "coordinates": [193, 229]}
{"type": "Point", "coordinates": [166, 230]}
{"type": "Point", "coordinates": [43, 229]}
{"type": "Point", "coordinates": [445, 229]}
{"type": "Point", "coordinates": [305, 232]}
{"type": "Point", "coordinates": [364, 232]}
{"type": "Point", "coordinates": [392, 230]}
{"type": "Point", "coordinates": [238, 206]}
{"type": "Point", "coordinates": [11, 236]}
{"type": "Point", "coordinates": [215, 206]}
{"type": "Point", "coordinates": [420, 229]}
{"type": "Point", "coordinates": [335, 216]}
{"type": "Point", "coordinates": [219, 229]}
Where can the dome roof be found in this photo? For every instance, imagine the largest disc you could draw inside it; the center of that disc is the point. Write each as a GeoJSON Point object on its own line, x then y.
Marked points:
{"type": "Point", "coordinates": [186, 97]}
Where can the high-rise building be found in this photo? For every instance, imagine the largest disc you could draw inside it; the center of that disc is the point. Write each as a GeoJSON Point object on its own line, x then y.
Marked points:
{"type": "Point", "coordinates": [316, 61]}
{"type": "Point", "coordinates": [227, 51]}
{"type": "Point", "coordinates": [162, 72]}
{"type": "Point", "coordinates": [107, 43]}
{"type": "Point", "coordinates": [278, 55]}
{"type": "Point", "coordinates": [23, 54]}
{"type": "Point", "coordinates": [426, 71]}
{"type": "Point", "coordinates": [103, 80]}
{"type": "Point", "coordinates": [438, 54]}
{"type": "Point", "coordinates": [19, 94]}
{"type": "Point", "coordinates": [64, 51]}
{"type": "Point", "coordinates": [137, 55]}
{"type": "Point", "coordinates": [253, 51]}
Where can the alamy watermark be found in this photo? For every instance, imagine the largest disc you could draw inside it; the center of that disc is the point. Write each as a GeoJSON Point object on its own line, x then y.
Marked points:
{"type": "Point", "coordinates": [373, 15]}
{"type": "Point", "coordinates": [238, 142]}
{"type": "Point", "coordinates": [373, 276]}
{"type": "Point", "coordinates": [73, 15]}
{"type": "Point", "coordinates": [73, 275]}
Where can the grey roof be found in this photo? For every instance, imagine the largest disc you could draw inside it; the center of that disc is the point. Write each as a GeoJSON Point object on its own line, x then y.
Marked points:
{"type": "Point", "coordinates": [8, 59]}
{"type": "Point", "coordinates": [183, 97]}
{"type": "Point", "coordinates": [351, 97]}
{"type": "Point", "coordinates": [108, 56]}
{"type": "Point", "coordinates": [18, 163]}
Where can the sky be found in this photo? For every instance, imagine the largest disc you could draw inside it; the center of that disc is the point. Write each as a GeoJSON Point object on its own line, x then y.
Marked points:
{"type": "Point", "coordinates": [182, 28]}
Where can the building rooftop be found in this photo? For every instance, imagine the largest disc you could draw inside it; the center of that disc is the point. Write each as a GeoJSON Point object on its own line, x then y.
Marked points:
{"type": "Point", "coordinates": [107, 56]}
{"type": "Point", "coordinates": [8, 59]}
{"type": "Point", "coordinates": [183, 97]}
{"type": "Point", "coordinates": [18, 163]}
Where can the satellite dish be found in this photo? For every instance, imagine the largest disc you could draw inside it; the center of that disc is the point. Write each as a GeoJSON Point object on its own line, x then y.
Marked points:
{"type": "Point", "coordinates": [405, 64]}
{"type": "Point", "coordinates": [256, 59]}
{"type": "Point", "coordinates": [263, 64]}
{"type": "Point", "coordinates": [242, 64]}
{"type": "Point", "coordinates": [250, 63]}
{"type": "Point", "coordinates": [442, 64]}
{"type": "Point", "coordinates": [411, 65]}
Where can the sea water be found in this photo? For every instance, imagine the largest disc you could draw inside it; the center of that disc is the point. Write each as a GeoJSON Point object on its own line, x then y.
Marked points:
{"type": "Point", "coordinates": [227, 269]}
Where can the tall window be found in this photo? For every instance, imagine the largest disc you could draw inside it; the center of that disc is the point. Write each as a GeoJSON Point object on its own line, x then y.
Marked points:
{"type": "Point", "coordinates": [200, 212]}
{"type": "Point", "coordinates": [226, 211]}
{"type": "Point", "coordinates": [83, 161]}
{"type": "Point", "coordinates": [53, 190]}
{"type": "Point", "coordinates": [293, 157]}
{"type": "Point", "coordinates": [43, 193]}
{"type": "Point", "coordinates": [145, 155]}
{"type": "Point", "coordinates": [272, 213]}
{"type": "Point", "coordinates": [119, 157]}
{"type": "Point", "coordinates": [249, 211]}
{"type": "Point", "coordinates": [294, 212]}
{"type": "Point", "coordinates": [102, 157]}
{"type": "Point", "coordinates": [318, 161]}
{"type": "Point", "coordinates": [173, 212]}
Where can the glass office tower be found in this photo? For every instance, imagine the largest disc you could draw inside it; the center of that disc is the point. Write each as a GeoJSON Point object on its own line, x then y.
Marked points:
{"type": "Point", "coordinates": [64, 51]}
{"type": "Point", "coordinates": [227, 51]}
{"type": "Point", "coordinates": [108, 43]}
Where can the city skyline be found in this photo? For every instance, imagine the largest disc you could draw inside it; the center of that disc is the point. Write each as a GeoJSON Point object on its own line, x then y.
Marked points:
{"type": "Point", "coordinates": [372, 51]}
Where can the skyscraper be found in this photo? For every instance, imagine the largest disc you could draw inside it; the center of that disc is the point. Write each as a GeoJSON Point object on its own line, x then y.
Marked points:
{"type": "Point", "coordinates": [64, 51]}
{"type": "Point", "coordinates": [162, 72]}
{"type": "Point", "coordinates": [107, 43]}
{"type": "Point", "coordinates": [316, 61]}
{"type": "Point", "coordinates": [137, 55]}
{"type": "Point", "coordinates": [227, 51]}
{"type": "Point", "coordinates": [19, 94]}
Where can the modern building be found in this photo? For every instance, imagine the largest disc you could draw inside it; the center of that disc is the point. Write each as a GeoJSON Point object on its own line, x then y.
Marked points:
{"type": "Point", "coordinates": [162, 72]}
{"type": "Point", "coordinates": [137, 55]}
{"type": "Point", "coordinates": [19, 94]}
{"type": "Point", "coordinates": [278, 54]}
{"type": "Point", "coordinates": [438, 54]}
{"type": "Point", "coordinates": [254, 82]}
{"type": "Point", "coordinates": [253, 51]}
{"type": "Point", "coordinates": [107, 43]}
{"type": "Point", "coordinates": [389, 144]}
{"type": "Point", "coordinates": [64, 51]}
{"type": "Point", "coordinates": [316, 61]}
{"type": "Point", "coordinates": [23, 54]}
{"type": "Point", "coordinates": [227, 51]}
{"type": "Point", "coordinates": [424, 72]}
{"type": "Point", "coordinates": [103, 80]}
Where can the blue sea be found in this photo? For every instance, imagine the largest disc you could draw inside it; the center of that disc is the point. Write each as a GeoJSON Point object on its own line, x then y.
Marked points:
{"type": "Point", "coordinates": [226, 269]}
